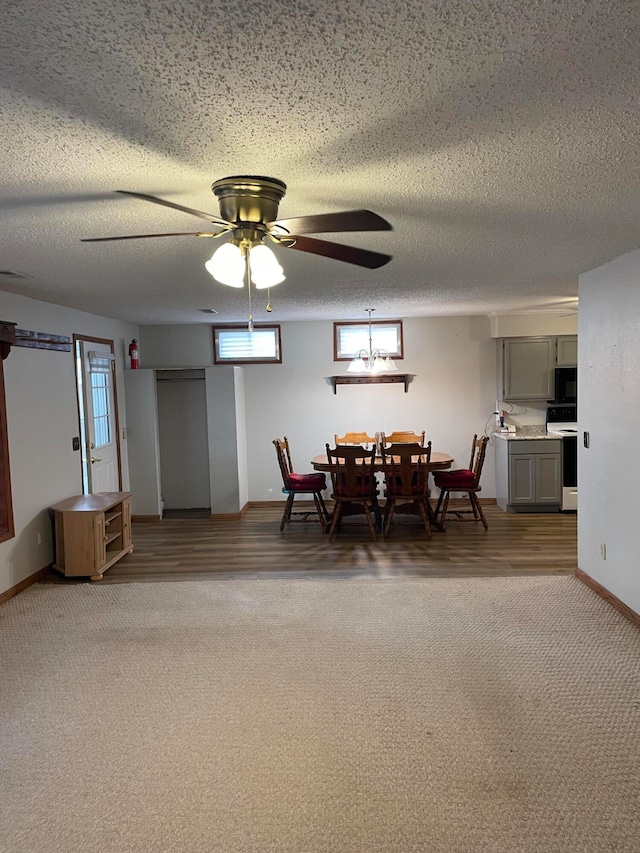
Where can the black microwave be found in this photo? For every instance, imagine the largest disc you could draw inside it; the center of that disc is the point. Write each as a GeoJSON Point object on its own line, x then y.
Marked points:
{"type": "Point", "coordinates": [566, 387]}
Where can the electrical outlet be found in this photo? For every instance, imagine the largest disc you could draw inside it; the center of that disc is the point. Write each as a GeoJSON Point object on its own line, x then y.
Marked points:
{"type": "Point", "coordinates": [603, 550]}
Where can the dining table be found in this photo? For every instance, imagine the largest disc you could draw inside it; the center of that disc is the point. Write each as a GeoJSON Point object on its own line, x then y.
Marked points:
{"type": "Point", "coordinates": [439, 461]}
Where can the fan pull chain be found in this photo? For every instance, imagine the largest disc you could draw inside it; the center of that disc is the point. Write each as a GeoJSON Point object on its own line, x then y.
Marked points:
{"type": "Point", "coordinates": [269, 307]}
{"type": "Point", "coordinates": [248, 265]}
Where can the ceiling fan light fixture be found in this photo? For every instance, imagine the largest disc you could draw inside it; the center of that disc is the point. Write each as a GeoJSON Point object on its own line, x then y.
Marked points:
{"type": "Point", "coordinates": [265, 269]}
{"type": "Point", "coordinates": [227, 265]}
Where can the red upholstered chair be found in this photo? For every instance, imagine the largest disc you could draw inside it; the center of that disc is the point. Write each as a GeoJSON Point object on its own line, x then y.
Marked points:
{"type": "Point", "coordinates": [300, 484]}
{"type": "Point", "coordinates": [354, 485]}
{"type": "Point", "coordinates": [406, 472]}
{"type": "Point", "coordinates": [463, 480]}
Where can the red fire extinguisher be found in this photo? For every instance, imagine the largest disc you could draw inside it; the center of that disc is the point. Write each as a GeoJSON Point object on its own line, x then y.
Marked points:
{"type": "Point", "coordinates": [134, 354]}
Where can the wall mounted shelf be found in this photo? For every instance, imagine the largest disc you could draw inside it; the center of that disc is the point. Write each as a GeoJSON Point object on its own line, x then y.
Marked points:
{"type": "Point", "coordinates": [383, 379]}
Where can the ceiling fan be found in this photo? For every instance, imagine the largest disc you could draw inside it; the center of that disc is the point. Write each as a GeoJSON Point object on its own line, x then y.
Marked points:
{"type": "Point", "coordinates": [248, 211]}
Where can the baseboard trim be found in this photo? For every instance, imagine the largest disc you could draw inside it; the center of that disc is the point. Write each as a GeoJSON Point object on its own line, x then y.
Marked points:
{"type": "Point", "coordinates": [278, 503]}
{"type": "Point", "coordinates": [609, 597]}
{"type": "Point", "coordinates": [27, 582]}
{"type": "Point", "coordinates": [224, 516]}
{"type": "Point", "coordinates": [465, 501]}
{"type": "Point", "coordinates": [145, 518]}
{"type": "Point", "coordinates": [433, 499]}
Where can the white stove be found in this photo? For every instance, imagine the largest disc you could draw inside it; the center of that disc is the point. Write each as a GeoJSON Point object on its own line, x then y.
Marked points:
{"type": "Point", "coordinates": [561, 421]}
{"type": "Point", "coordinates": [563, 428]}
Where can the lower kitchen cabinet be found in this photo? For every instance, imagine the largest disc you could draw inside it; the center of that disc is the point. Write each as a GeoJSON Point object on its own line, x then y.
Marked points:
{"type": "Point", "coordinates": [529, 475]}
{"type": "Point", "coordinates": [92, 532]}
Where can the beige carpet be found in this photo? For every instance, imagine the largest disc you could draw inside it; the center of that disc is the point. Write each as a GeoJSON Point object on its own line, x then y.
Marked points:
{"type": "Point", "coordinates": [299, 716]}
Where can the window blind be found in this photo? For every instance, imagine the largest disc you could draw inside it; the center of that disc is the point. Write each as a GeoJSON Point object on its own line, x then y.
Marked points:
{"type": "Point", "coordinates": [238, 344]}
{"type": "Point", "coordinates": [352, 339]}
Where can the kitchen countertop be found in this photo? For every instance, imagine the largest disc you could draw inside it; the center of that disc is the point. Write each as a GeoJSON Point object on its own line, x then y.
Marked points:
{"type": "Point", "coordinates": [541, 435]}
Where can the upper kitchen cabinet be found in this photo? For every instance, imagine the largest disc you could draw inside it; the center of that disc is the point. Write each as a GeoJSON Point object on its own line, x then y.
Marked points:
{"type": "Point", "coordinates": [567, 351]}
{"type": "Point", "coordinates": [527, 368]}
{"type": "Point", "coordinates": [527, 365]}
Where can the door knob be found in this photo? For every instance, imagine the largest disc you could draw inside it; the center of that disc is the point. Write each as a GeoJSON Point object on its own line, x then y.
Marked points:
{"type": "Point", "coordinates": [95, 460]}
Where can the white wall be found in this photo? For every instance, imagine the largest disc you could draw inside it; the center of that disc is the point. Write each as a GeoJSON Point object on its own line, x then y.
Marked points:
{"type": "Point", "coordinates": [176, 346]}
{"type": "Point", "coordinates": [608, 407]}
{"type": "Point", "coordinates": [143, 441]}
{"type": "Point", "coordinates": [452, 395]}
{"type": "Point", "coordinates": [42, 419]}
{"type": "Point", "coordinates": [241, 437]}
{"type": "Point", "coordinates": [533, 324]}
{"type": "Point", "coordinates": [222, 423]}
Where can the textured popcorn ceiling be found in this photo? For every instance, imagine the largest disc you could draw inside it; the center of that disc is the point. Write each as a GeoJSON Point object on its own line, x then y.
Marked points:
{"type": "Point", "coordinates": [499, 138]}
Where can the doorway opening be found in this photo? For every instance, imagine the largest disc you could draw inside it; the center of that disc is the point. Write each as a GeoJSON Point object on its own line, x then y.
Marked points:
{"type": "Point", "coordinates": [183, 443]}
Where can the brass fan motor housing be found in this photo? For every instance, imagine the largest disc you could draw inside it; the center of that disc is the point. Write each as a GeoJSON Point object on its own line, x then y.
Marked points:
{"type": "Point", "coordinates": [249, 198]}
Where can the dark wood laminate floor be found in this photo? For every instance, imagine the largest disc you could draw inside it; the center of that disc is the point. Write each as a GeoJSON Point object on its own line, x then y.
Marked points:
{"type": "Point", "coordinates": [187, 549]}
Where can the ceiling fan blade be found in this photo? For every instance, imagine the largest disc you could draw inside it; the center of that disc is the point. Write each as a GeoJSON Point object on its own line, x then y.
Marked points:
{"type": "Point", "coordinates": [208, 216]}
{"type": "Point", "coordinates": [340, 252]}
{"type": "Point", "coordinates": [146, 236]}
{"type": "Point", "coordinates": [347, 220]}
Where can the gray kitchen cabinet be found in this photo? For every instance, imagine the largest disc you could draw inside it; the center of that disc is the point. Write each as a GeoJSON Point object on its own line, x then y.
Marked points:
{"type": "Point", "coordinates": [529, 475]}
{"type": "Point", "coordinates": [527, 368]}
{"type": "Point", "coordinates": [527, 364]}
{"type": "Point", "coordinates": [567, 351]}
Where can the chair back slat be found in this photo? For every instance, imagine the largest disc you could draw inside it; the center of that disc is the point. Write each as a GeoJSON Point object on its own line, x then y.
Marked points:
{"type": "Point", "coordinates": [478, 452]}
{"type": "Point", "coordinates": [359, 438]}
{"type": "Point", "coordinates": [284, 459]}
{"type": "Point", "coordinates": [406, 469]}
{"type": "Point", "coordinates": [352, 471]}
{"type": "Point", "coordinates": [403, 437]}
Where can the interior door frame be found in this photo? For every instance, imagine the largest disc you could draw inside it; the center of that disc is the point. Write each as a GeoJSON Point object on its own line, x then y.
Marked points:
{"type": "Point", "coordinates": [106, 342]}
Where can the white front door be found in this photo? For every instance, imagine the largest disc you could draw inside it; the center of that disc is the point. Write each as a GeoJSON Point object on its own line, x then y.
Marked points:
{"type": "Point", "coordinates": [99, 432]}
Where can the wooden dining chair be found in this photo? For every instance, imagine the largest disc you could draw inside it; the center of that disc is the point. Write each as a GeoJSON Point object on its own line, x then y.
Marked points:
{"type": "Point", "coordinates": [360, 438]}
{"type": "Point", "coordinates": [465, 480]}
{"type": "Point", "coordinates": [406, 474]}
{"type": "Point", "coordinates": [403, 437]}
{"type": "Point", "coordinates": [300, 484]}
{"type": "Point", "coordinates": [354, 486]}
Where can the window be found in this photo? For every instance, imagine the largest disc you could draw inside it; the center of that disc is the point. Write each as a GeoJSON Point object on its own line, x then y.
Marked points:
{"type": "Point", "coordinates": [6, 507]}
{"type": "Point", "coordinates": [237, 345]}
{"type": "Point", "coordinates": [100, 373]}
{"type": "Point", "coordinates": [349, 338]}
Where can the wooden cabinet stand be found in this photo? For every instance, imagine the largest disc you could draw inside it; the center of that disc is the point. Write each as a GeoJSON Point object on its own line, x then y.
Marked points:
{"type": "Point", "coordinates": [92, 532]}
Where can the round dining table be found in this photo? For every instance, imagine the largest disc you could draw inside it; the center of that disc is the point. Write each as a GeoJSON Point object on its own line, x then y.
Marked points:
{"type": "Point", "coordinates": [439, 462]}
